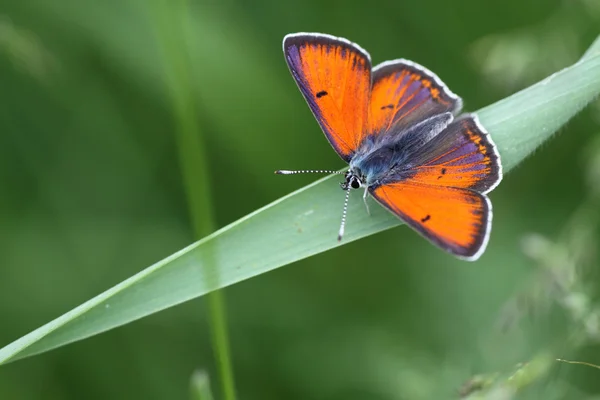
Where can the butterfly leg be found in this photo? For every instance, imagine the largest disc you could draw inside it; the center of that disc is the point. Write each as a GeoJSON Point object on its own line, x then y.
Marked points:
{"type": "Point", "coordinates": [365, 200]}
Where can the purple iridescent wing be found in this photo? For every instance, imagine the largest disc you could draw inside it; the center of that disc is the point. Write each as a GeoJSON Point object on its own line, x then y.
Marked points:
{"type": "Point", "coordinates": [461, 156]}
{"type": "Point", "coordinates": [404, 93]}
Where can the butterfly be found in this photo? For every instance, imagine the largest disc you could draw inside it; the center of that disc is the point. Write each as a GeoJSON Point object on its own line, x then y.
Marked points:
{"type": "Point", "coordinates": [397, 126]}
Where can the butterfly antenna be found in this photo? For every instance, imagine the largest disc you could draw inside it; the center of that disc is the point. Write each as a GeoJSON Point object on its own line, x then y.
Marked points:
{"type": "Point", "coordinates": [307, 171]}
{"type": "Point", "coordinates": [343, 224]}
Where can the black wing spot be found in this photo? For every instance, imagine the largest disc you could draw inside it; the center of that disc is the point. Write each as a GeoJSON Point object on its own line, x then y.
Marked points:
{"type": "Point", "coordinates": [390, 106]}
{"type": "Point", "coordinates": [321, 94]}
{"type": "Point", "coordinates": [426, 218]}
{"type": "Point", "coordinates": [443, 172]}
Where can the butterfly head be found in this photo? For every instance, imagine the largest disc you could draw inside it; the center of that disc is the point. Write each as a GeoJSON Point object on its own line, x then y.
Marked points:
{"type": "Point", "coordinates": [352, 180]}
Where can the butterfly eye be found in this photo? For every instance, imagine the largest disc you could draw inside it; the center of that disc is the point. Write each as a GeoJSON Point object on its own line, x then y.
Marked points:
{"type": "Point", "coordinates": [355, 183]}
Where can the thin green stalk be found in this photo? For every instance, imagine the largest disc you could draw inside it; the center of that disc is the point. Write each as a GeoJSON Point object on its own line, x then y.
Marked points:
{"type": "Point", "coordinates": [192, 159]}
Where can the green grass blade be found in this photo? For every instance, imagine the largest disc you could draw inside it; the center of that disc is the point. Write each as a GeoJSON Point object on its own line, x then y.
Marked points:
{"type": "Point", "coordinates": [303, 223]}
{"type": "Point", "coordinates": [522, 122]}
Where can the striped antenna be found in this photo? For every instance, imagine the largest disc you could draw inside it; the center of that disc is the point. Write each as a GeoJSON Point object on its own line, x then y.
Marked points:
{"type": "Point", "coordinates": [343, 224]}
{"type": "Point", "coordinates": [307, 171]}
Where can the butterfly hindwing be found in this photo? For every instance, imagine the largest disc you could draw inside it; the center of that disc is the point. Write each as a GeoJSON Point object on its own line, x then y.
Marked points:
{"type": "Point", "coordinates": [404, 93]}
{"type": "Point", "coordinates": [334, 75]}
{"type": "Point", "coordinates": [461, 156]}
{"type": "Point", "coordinates": [456, 220]}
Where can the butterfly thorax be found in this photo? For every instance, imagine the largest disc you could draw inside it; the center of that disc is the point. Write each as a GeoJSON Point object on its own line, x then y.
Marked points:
{"type": "Point", "coordinates": [388, 157]}
{"type": "Point", "coordinates": [377, 160]}
{"type": "Point", "coordinates": [375, 166]}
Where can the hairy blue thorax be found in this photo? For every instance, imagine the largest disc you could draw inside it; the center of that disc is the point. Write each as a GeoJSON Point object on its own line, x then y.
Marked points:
{"type": "Point", "coordinates": [381, 158]}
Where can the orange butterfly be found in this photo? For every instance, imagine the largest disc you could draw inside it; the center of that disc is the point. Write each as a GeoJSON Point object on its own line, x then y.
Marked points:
{"type": "Point", "coordinates": [395, 126]}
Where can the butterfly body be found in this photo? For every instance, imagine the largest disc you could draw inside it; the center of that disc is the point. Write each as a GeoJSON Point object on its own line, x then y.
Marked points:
{"type": "Point", "coordinates": [396, 126]}
{"type": "Point", "coordinates": [380, 159]}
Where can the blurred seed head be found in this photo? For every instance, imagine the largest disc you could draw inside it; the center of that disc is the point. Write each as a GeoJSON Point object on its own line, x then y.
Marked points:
{"type": "Point", "coordinates": [592, 7]}
{"type": "Point", "coordinates": [25, 50]}
{"type": "Point", "coordinates": [536, 246]}
{"type": "Point", "coordinates": [511, 60]}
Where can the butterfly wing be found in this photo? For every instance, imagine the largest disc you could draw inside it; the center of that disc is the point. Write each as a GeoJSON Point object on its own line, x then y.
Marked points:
{"type": "Point", "coordinates": [334, 75]}
{"type": "Point", "coordinates": [462, 156]}
{"type": "Point", "coordinates": [440, 190]}
{"type": "Point", "coordinates": [456, 220]}
{"type": "Point", "coordinates": [405, 93]}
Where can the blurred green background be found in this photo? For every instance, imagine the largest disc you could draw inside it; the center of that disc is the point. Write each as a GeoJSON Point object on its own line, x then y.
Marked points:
{"type": "Point", "coordinates": [91, 193]}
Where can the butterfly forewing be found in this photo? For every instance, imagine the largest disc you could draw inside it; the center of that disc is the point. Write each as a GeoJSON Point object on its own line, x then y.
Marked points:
{"type": "Point", "coordinates": [334, 75]}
